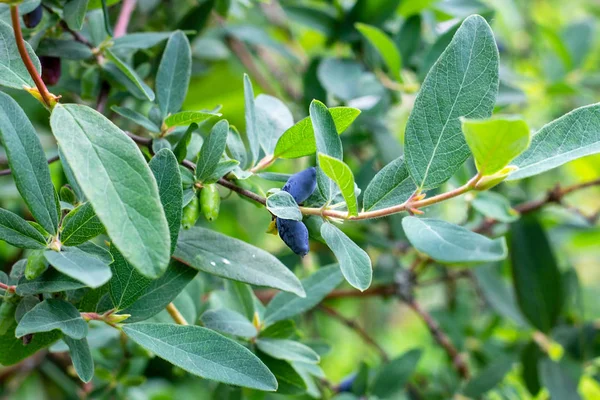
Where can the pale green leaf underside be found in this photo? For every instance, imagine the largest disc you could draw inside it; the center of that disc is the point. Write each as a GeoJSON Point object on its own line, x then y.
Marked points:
{"type": "Point", "coordinates": [230, 258]}
{"type": "Point", "coordinates": [283, 205]}
{"type": "Point", "coordinates": [204, 353]}
{"type": "Point", "coordinates": [228, 321]}
{"type": "Point", "coordinates": [299, 140]}
{"type": "Point", "coordinates": [130, 74]}
{"type": "Point", "coordinates": [136, 117]}
{"type": "Point", "coordinates": [53, 314]}
{"type": "Point", "coordinates": [12, 70]}
{"type": "Point", "coordinates": [341, 174]}
{"type": "Point", "coordinates": [288, 350]}
{"type": "Point", "coordinates": [79, 265]}
{"type": "Point", "coordinates": [392, 185]}
{"type": "Point", "coordinates": [567, 138]}
{"type": "Point", "coordinates": [452, 244]}
{"type": "Point", "coordinates": [354, 261]}
{"type": "Point", "coordinates": [50, 281]}
{"type": "Point", "coordinates": [317, 286]}
{"type": "Point", "coordinates": [115, 178]}
{"type": "Point", "coordinates": [212, 150]}
{"type": "Point", "coordinates": [494, 143]}
{"type": "Point", "coordinates": [385, 47]}
{"type": "Point", "coordinates": [81, 357]}
{"type": "Point", "coordinates": [462, 83]}
{"type": "Point", "coordinates": [185, 118]}
{"type": "Point", "coordinates": [174, 71]}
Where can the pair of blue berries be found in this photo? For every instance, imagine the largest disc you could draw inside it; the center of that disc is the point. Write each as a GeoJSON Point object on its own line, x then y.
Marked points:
{"type": "Point", "coordinates": [294, 233]}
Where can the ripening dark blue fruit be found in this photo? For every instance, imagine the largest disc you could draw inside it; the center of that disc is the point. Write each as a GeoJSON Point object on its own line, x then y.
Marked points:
{"type": "Point", "coordinates": [294, 234]}
{"type": "Point", "coordinates": [32, 19]}
{"type": "Point", "coordinates": [302, 184]}
{"type": "Point", "coordinates": [50, 69]}
{"type": "Point", "coordinates": [346, 384]}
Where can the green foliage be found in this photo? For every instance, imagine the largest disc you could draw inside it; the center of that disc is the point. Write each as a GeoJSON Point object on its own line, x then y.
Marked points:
{"type": "Point", "coordinates": [199, 105]}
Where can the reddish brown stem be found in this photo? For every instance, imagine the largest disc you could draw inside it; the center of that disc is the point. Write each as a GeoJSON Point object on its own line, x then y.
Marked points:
{"type": "Point", "coordinates": [8, 288]}
{"type": "Point", "coordinates": [41, 86]}
{"type": "Point", "coordinates": [124, 17]}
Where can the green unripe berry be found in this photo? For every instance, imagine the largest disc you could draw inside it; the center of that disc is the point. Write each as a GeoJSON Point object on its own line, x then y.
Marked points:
{"type": "Point", "coordinates": [210, 202]}
{"type": "Point", "coordinates": [191, 212]}
{"type": "Point", "coordinates": [36, 265]}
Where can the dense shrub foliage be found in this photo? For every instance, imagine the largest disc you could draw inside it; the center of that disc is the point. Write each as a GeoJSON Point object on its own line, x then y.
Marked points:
{"type": "Point", "coordinates": [432, 215]}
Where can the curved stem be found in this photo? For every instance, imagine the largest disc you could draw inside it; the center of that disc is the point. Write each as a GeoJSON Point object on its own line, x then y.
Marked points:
{"type": "Point", "coordinates": [124, 18]}
{"type": "Point", "coordinates": [176, 315]}
{"type": "Point", "coordinates": [41, 86]}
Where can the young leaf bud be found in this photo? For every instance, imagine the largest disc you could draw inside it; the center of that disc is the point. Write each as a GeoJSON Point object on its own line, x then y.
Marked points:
{"type": "Point", "coordinates": [302, 184]}
{"type": "Point", "coordinates": [294, 234]}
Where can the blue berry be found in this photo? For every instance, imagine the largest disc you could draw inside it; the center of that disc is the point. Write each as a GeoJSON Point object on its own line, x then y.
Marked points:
{"type": "Point", "coordinates": [302, 184]}
{"type": "Point", "coordinates": [294, 234]}
{"type": "Point", "coordinates": [33, 18]}
{"type": "Point", "coordinates": [346, 384]}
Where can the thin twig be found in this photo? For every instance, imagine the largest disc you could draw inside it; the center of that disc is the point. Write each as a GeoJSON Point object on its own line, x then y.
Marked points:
{"type": "Point", "coordinates": [356, 328]}
{"type": "Point", "coordinates": [8, 288]}
{"type": "Point", "coordinates": [176, 315]}
{"type": "Point", "coordinates": [384, 290]}
{"type": "Point", "coordinates": [124, 17]}
{"type": "Point", "coordinates": [39, 83]}
{"type": "Point", "coordinates": [442, 339]}
{"type": "Point", "coordinates": [8, 171]}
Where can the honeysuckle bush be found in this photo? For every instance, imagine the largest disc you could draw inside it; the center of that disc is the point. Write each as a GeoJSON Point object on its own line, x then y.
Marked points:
{"type": "Point", "coordinates": [144, 176]}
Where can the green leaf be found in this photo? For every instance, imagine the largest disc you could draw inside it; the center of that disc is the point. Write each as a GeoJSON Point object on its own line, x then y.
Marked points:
{"type": "Point", "coordinates": [185, 118]}
{"type": "Point", "coordinates": [317, 286]}
{"type": "Point", "coordinates": [241, 298]}
{"type": "Point", "coordinates": [13, 72]}
{"type": "Point", "coordinates": [50, 281]}
{"type": "Point", "coordinates": [204, 353]}
{"type": "Point", "coordinates": [283, 329]}
{"type": "Point", "coordinates": [165, 168]}
{"type": "Point", "coordinates": [299, 140]}
{"type": "Point", "coordinates": [488, 377]}
{"type": "Point", "coordinates": [80, 225]}
{"type": "Point", "coordinates": [495, 142]}
{"type": "Point", "coordinates": [288, 380]}
{"type": "Point", "coordinates": [496, 206]}
{"type": "Point", "coordinates": [67, 49]}
{"type": "Point", "coordinates": [273, 118]}
{"type": "Point", "coordinates": [463, 82]}
{"type": "Point", "coordinates": [74, 13]}
{"type": "Point", "coordinates": [79, 265]}
{"type": "Point", "coordinates": [212, 150]}
{"type": "Point", "coordinates": [13, 349]}
{"type": "Point", "coordinates": [126, 285]}
{"type": "Point", "coordinates": [250, 117]}
{"type": "Point", "coordinates": [384, 46]}
{"type": "Point", "coordinates": [567, 138]}
{"type": "Point", "coordinates": [130, 74]}
{"type": "Point", "coordinates": [392, 185]}
{"type": "Point", "coordinates": [327, 142]}
{"type": "Point", "coordinates": [53, 314]}
{"type": "Point", "coordinates": [154, 297]}
{"type": "Point", "coordinates": [341, 174]}
{"type": "Point", "coordinates": [180, 150]}
{"type": "Point", "coordinates": [223, 168]}
{"type": "Point", "coordinates": [537, 279]}
{"type": "Point", "coordinates": [289, 350]}
{"type": "Point", "coordinates": [499, 295]}
{"type": "Point", "coordinates": [17, 232]}
{"type": "Point", "coordinates": [228, 321]}
{"type": "Point", "coordinates": [173, 76]}
{"type": "Point", "coordinates": [392, 377]}
{"type": "Point", "coordinates": [452, 244]}
{"type": "Point", "coordinates": [81, 357]}
{"type": "Point", "coordinates": [118, 183]}
{"type": "Point", "coordinates": [231, 258]}
{"type": "Point", "coordinates": [354, 261]}
{"type": "Point", "coordinates": [139, 40]}
{"type": "Point", "coordinates": [28, 163]}
{"type": "Point", "coordinates": [561, 378]}
{"type": "Point", "coordinates": [282, 205]}
{"type": "Point", "coordinates": [137, 118]}
{"type": "Point", "coordinates": [236, 147]}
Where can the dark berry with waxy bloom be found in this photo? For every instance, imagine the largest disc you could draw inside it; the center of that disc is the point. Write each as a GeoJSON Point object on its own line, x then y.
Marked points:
{"type": "Point", "coordinates": [294, 234]}
{"type": "Point", "coordinates": [50, 69]}
{"type": "Point", "coordinates": [32, 19]}
{"type": "Point", "coordinates": [302, 184]}
{"type": "Point", "coordinates": [346, 384]}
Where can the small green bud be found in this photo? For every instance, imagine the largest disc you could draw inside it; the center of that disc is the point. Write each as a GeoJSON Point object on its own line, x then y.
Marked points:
{"type": "Point", "coordinates": [210, 202]}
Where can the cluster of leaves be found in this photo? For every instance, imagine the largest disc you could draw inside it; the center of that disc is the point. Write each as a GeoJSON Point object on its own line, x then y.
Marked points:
{"type": "Point", "coordinates": [119, 247]}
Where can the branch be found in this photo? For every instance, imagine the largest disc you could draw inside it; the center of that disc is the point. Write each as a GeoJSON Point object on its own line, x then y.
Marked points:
{"type": "Point", "coordinates": [39, 83]}
{"type": "Point", "coordinates": [443, 340]}
{"type": "Point", "coordinates": [124, 18]}
{"type": "Point", "coordinates": [356, 328]}
{"type": "Point", "coordinates": [8, 171]}
{"type": "Point", "coordinates": [176, 315]}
